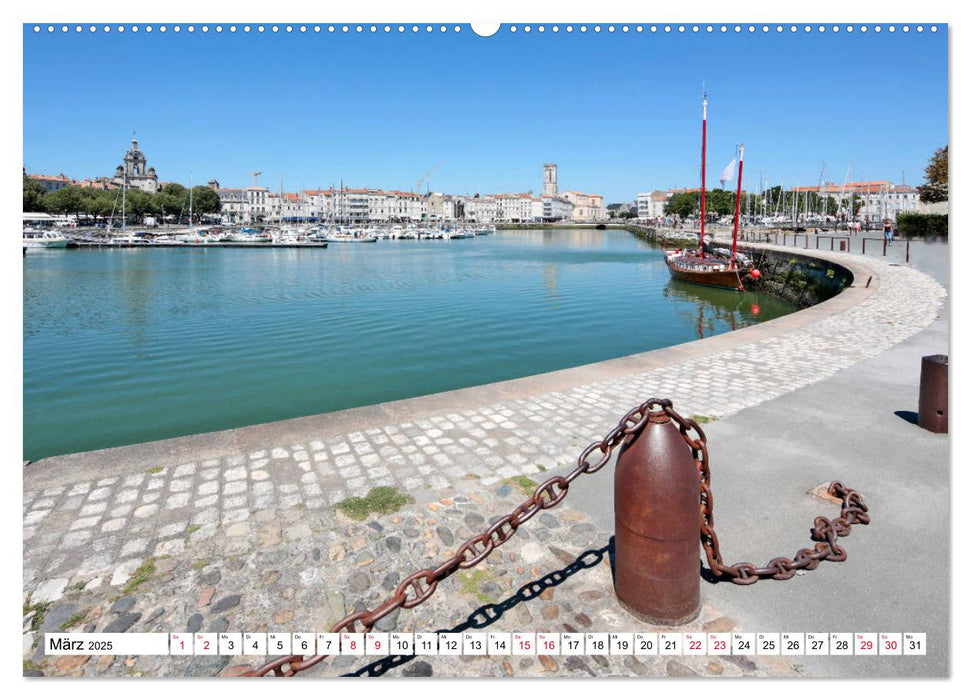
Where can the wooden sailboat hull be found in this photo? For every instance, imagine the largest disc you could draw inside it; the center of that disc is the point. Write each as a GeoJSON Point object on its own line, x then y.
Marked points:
{"type": "Point", "coordinates": [692, 270]}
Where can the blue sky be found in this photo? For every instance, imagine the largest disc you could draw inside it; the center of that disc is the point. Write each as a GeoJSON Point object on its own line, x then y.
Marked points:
{"type": "Point", "coordinates": [619, 113]}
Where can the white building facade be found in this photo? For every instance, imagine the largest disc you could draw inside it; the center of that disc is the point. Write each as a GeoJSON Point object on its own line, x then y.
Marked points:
{"type": "Point", "coordinates": [650, 205]}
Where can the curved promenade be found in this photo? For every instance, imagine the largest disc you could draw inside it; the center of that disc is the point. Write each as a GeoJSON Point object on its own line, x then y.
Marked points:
{"type": "Point", "coordinates": [237, 530]}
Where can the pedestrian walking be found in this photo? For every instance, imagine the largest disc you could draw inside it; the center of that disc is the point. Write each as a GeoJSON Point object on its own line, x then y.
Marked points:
{"type": "Point", "coordinates": [888, 231]}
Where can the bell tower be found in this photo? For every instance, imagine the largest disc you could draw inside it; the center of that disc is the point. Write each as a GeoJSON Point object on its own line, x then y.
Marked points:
{"type": "Point", "coordinates": [549, 180]}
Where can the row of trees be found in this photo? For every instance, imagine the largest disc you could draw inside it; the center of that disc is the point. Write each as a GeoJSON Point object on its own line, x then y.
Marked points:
{"type": "Point", "coordinates": [171, 201]}
{"type": "Point", "coordinates": [722, 203]}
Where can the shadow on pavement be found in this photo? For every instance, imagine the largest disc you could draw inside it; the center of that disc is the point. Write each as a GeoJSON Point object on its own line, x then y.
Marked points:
{"type": "Point", "coordinates": [485, 615]}
{"type": "Point", "coordinates": [909, 416]}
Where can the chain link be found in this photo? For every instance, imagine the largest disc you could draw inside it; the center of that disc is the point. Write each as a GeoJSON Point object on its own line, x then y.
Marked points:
{"type": "Point", "coordinates": [420, 586]}
{"type": "Point", "coordinates": [825, 531]}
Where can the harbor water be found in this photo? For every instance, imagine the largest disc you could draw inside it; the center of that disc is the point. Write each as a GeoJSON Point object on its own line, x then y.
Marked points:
{"type": "Point", "coordinates": [129, 345]}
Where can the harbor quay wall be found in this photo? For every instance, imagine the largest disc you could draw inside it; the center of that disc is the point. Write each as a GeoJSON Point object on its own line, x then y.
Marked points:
{"type": "Point", "coordinates": [795, 276]}
{"type": "Point", "coordinates": [243, 530]}
{"type": "Point", "coordinates": [802, 279]}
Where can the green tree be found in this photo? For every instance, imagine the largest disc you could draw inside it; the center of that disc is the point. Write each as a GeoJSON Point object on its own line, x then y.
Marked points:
{"type": "Point", "coordinates": [102, 203]}
{"type": "Point", "coordinates": [34, 196]}
{"type": "Point", "coordinates": [67, 200]}
{"type": "Point", "coordinates": [205, 200]}
{"type": "Point", "coordinates": [935, 187]}
{"type": "Point", "coordinates": [683, 204]}
{"type": "Point", "coordinates": [172, 200]}
{"type": "Point", "coordinates": [720, 202]}
{"type": "Point", "coordinates": [138, 203]}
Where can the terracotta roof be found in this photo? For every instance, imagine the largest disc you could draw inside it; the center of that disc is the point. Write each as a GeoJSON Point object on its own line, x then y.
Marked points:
{"type": "Point", "coordinates": [55, 178]}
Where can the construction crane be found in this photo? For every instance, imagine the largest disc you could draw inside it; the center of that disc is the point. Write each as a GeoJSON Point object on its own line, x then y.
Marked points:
{"type": "Point", "coordinates": [426, 176]}
{"type": "Point", "coordinates": [256, 178]}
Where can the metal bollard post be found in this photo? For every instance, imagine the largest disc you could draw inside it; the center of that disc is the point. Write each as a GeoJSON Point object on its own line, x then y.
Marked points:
{"type": "Point", "coordinates": [932, 404]}
{"type": "Point", "coordinates": [656, 519]}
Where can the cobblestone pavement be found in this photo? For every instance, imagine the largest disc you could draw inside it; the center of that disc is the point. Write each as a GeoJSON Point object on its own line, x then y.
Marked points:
{"type": "Point", "coordinates": [253, 542]}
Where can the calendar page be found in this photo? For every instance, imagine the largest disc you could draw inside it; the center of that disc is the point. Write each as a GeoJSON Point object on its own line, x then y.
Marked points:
{"type": "Point", "coordinates": [387, 343]}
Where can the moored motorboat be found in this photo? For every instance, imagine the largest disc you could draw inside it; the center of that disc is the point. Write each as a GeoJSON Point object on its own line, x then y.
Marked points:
{"type": "Point", "coordinates": [39, 238]}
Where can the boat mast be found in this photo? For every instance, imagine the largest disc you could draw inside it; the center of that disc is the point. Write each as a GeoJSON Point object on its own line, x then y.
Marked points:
{"type": "Point", "coordinates": [738, 199]}
{"type": "Point", "coordinates": [704, 137]}
{"type": "Point", "coordinates": [191, 229]}
{"type": "Point", "coordinates": [124, 186]}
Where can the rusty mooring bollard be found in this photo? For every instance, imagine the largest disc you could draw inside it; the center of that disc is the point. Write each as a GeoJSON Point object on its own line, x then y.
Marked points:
{"type": "Point", "coordinates": [932, 405]}
{"type": "Point", "coordinates": [656, 525]}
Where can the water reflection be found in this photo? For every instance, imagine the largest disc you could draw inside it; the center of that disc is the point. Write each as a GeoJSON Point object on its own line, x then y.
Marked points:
{"type": "Point", "coordinates": [709, 309]}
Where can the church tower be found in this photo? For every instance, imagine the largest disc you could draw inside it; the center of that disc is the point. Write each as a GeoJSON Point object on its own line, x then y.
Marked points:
{"type": "Point", "coordinates": [549, 180]}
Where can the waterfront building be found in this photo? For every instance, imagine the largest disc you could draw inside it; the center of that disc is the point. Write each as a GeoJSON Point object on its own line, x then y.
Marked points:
{"type": "Point", "coordinates": [893, 200]}
{"type": "Point", "coordinates": [97, 183]}
{"type": "Point", "coordinates": [650, 205]}
{"type": "Point", "coordinates": [514, 208]}
{"type": "Point", "coordinates": [536, 209]}
{"type": "Point", "coordinates": [618, 208]}
{"type": "Point", "coordinates": [481, 209]}
{"type": "Point", "coordinates": [556, 209]}
{"type": "Point", "coordinates": [444, 207]}
{"type": "Point", "coordinates": [872, 201]}
{"type": "Point", "coordinates": [320, 204]}
{"type": "Point", "coordinates": [549, 180]}
{"type": "Point", "coordinates": [232, 205]}
{"type": "Point", "coordinates": [256, 204]}
{"type": "Point", "coordinates": [586, 207]}
{"type": "Point", "coordinates": [134, 171]}
{"type": "Point", "coordinates": [52, 183]}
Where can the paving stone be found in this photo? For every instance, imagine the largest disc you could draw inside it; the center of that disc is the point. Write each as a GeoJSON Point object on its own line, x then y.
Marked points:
{"type": "Point", "coordinates": [194, 624]}
{"type": "Point", "coordinates": [223, 604]}
{"type": "Point", "coordinates": [418, 669]}
{"type": "Point", "coordinates": [155, 614]}
{"type": "Point", "coordinates": [206, 666]}
{"type": "Point", "coordinates": [57, 616]}
{"type": "Point", "coordinates": [122, 623]}
{"type": "Point", "coordinates": [123, 605]}
{"type": "Point", "coordinates": [219, 625]}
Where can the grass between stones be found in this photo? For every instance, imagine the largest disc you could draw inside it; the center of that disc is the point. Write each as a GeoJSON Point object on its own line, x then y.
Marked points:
{"type": "Point", "coordinates": [382, 500]}
{"type": "Point", "coordinates": [701, 420]}
{"type": "Point", "coordinates": [525, 484]}
{"type": "Point", "coordinates": [73, 621]}
{"type": "Point", "coordinates": [141, 575]}
{"type": "Point", "coordinates": [39, 610]}
{"type": "Point", "coordinates": [472, 582]}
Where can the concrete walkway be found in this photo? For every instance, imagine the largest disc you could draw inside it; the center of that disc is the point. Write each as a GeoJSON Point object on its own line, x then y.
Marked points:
{"type": "Point", "coordinates": [240, 531]}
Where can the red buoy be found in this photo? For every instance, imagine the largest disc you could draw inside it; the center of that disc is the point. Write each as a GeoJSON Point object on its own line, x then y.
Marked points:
{"type": "Point", "coordinates": [755, 274]}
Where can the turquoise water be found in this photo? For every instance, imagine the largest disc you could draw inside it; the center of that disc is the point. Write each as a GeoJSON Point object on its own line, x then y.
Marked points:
{"type": "Point", "coordinates": [129, 345]}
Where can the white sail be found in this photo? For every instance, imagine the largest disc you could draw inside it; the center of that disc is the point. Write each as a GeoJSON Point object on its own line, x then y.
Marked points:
{"type": "Point", "coordinates": [728, 174]}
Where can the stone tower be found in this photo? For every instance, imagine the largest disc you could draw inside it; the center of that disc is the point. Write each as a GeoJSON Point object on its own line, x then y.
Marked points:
{"type": "Point", "coordinates": [549, 180]}
{"type": "Point", "coordinates": [134, 171]}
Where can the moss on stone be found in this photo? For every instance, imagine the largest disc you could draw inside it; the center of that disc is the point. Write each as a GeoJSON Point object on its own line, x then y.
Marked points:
{"type": "Point", "coordinates": [382, 500]}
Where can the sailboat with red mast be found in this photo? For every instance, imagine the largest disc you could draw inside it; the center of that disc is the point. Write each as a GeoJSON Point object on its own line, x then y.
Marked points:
{"type": "Point", "coordinates": [709, 268]}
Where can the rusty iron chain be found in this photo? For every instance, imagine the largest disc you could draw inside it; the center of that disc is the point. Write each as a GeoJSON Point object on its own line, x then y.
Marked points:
{"type": "Point", "coordinates": [825, 532]}
{"type": "Point", "coordinates": [418, 587]}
